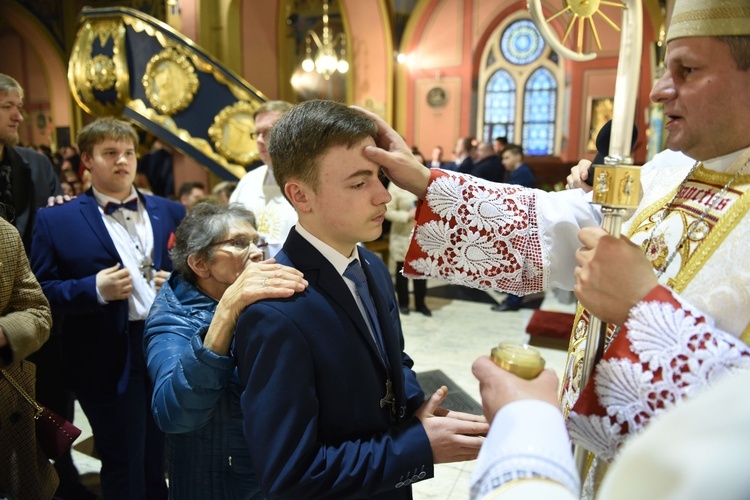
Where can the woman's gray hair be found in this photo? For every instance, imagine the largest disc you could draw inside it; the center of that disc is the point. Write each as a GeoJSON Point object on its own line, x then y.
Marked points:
{"type": "Point", "coordinates": [204, 224]}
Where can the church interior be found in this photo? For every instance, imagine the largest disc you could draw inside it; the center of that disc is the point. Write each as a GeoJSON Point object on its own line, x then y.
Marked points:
{"type": "Point", "coordinates": [437, 70]}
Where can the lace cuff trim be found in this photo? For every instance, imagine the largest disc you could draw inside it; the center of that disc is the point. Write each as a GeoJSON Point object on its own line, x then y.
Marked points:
{"type": "Point", "coordinates": [667, 351]}
{"type": "Point", "coordinates": [513, 467]}
{"type": "Point", "coordinates": [478, 234]}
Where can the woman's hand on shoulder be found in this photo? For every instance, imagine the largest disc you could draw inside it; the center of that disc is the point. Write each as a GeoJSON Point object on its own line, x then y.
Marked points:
{"type": "Point", "coordinates": [263, 280]}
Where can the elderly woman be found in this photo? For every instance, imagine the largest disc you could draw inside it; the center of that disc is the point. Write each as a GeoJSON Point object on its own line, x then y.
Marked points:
{"type": "Point", "coordinates": [188, 338]}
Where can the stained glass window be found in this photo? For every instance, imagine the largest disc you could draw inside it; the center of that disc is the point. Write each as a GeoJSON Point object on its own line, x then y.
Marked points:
{"type": "Point", "coordinates": [499, 106]}
{"type": "Point", "coordinates": [539, 106]}
{"type": "Point", "coordinates": [521, 79]}
{"type": "Point", "coordinates": [521, 43]}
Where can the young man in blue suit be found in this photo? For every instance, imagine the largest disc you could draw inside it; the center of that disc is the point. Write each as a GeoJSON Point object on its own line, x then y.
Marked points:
{"type": "Point", "coordinates": [331, 405]}
{"type": "Point", "coordinates": [100, 259]}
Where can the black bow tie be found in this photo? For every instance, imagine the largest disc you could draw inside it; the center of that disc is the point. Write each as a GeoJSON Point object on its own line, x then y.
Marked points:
{"type": "Point", "coordinates": [111, 208]}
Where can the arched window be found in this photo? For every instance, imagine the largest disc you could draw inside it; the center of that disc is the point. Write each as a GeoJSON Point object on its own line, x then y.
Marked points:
{"type": "Point", "coordinates": [516, 57]}
{"type": "Point", "coordinates": [500, 105]}
{"type": "Point", "coordinates": [539, 105]}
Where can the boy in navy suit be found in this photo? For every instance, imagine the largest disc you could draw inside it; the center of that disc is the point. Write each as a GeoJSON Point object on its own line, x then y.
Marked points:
{"type": "Point", "coordinates": [331, 405]}
{"type": "Point", "coordinates": [100, 259]}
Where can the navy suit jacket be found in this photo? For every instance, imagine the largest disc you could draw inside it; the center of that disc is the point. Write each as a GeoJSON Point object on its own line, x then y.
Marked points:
{"type": "Point", "coordinates": [313, 382]}
{"type": "Point", "coordinates": [523, 176]}
{"type": "Point", "coordinates": [71, 245]}
{"type": "Point", "coordinates": [490, 169]}
{"type": "Point", "coordinates": [34, 180]}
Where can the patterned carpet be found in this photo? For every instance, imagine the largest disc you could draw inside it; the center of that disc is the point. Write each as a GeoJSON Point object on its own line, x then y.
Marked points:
{"type": "Point", "coordinates": [456, 400]}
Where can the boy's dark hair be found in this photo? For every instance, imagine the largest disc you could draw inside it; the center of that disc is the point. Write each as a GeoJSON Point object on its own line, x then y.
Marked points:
{"type": "Point", "coordinates": [306, 132]}
{"type": "Point", "coordinates": [514, 148]}
{"type": "Point", "coordinates": [103, 129]}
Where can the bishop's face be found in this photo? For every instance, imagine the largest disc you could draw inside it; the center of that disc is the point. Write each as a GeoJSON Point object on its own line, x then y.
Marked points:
{"type": "Point", "coordinates": [705, 97]}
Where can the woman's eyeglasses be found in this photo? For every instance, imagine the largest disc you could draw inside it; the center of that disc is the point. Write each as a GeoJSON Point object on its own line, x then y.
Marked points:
{"type": "Point", "coordinates": [242, 243]}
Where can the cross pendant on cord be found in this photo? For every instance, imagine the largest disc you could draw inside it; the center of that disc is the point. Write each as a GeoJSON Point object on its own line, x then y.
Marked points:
{"type": "Point", "coordinates": [389, 398]}
{"type": "Point", "coordinates": [147, 269]}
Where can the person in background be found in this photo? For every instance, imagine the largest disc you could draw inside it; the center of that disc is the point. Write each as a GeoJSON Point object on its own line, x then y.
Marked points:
{"type": "Point", "coordinates": [70, 153]}
{"type": "Point", "coordinates": [436, 159]}
{"type": "Point", "coordinates": [67, 166]}
{"type": "Point", "coordinates": [488, 165]}
{"type": "Point", "coordinates": [190, 192]}
{"type": "Point", "coordinates": [158, 166]}
{"type": "Point", "coordinates": [67, 188]}
{"type": "Point", "coordinates": [188, 340]}
{"type": "Point", "coordinates": [418, 155]}
{"type": "Point", "coordinates": [258, 190]}
{"type": "Point", "coordinates": [517, 172]}
{"type": "Point", "coordinates": [223, 191]}
{"type": "Point", "coordinates": [463, 152]}
{"type": "Point", "coordinates": [25, 321]}
{"type": "Point", "coordinates": [400, 211]}
{"type": "Point", "coordinates": [499, 144]}
{"type": "Point", "coordinates": [100, 259]}
{"type": "Point", "coordinates": [27, 179]}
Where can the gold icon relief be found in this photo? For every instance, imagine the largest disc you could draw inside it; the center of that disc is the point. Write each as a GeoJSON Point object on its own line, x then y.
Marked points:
{"type": "Point", "coordinates": [231, 131]}
{"type": "Point", "coordinates": [101, 72]}
{"type": "Point", "coordinates": [617, 186]}
{"type": "Point", "coordinates": [170, 81]}
{"type": "Point", "coordinates": [88, 72]}
{"type": "Point", "coordinates": [602, 186]}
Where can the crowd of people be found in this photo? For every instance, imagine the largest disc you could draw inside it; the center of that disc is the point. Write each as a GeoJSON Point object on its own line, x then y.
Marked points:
{"type": "Point", "coordinates": [254, 349]}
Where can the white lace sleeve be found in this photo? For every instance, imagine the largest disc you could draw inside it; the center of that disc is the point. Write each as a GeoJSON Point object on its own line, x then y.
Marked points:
{"type": "Point", "coordinates": [527, 440]}
{"type": "Point", "coordinates": [486, 235]}
{"type": "Point", "coordinates": [666, 351]}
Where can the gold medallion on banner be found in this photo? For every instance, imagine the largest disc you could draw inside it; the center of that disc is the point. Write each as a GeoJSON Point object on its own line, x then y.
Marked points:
{"type": "Point", "coordinates": [231, 131]}
{"type": "Point", "coordinates": [170, 81]}
{"type": "Point", "coordinates": [101, 73]}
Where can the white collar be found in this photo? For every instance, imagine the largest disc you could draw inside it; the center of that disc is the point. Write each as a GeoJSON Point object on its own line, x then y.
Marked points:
{"type": "Point", "coordinates": [337, 260]}
{"type": "Point", "coordinates": [722, 163]}
{"type": "Point", "coordinates": [102, 199]}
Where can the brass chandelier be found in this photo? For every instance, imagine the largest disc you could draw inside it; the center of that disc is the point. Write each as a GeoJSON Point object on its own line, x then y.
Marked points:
{"type": "Point", "coordinates": [330, 53]}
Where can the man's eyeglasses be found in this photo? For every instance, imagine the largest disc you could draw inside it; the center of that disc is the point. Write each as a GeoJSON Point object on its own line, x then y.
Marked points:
{"type": "Point", "coordinates": [242, 243]}
{"type": "Point", "coordinates": [254, 135]}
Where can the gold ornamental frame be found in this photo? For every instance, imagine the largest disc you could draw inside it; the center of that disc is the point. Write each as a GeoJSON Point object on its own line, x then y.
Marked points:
{"type": "Point", "coordinates": [170, 81]}
{"type": "Point", "coordinates": [86, 73]}
{"type": "Point", "coordinates": [101, 72]}
{"type": "Point", "coordinates": [231, 130]}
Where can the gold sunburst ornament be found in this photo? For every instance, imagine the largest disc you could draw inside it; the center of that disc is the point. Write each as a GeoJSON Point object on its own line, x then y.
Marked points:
{"type": "Point", "coordinates": [583, 12]}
